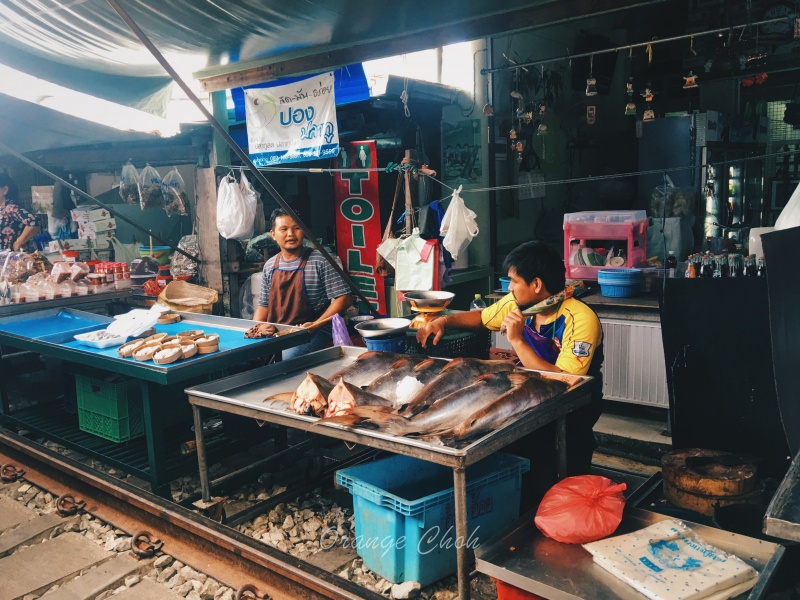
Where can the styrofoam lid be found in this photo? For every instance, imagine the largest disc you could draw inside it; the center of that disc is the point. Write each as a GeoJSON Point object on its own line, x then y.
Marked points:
{"type": "Point", "coordinates": [136, 321]}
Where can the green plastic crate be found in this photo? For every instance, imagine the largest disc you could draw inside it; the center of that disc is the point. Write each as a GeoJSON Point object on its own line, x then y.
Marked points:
{"type": "Point", "coordinates": [110, 410]}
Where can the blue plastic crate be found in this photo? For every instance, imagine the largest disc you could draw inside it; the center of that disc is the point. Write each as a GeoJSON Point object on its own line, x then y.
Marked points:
{"type": "Point", "coordinates": [405, 512]}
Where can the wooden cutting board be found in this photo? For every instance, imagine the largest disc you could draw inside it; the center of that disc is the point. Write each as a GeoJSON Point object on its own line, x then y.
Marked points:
{"type": "Point", "coordinates": [713, 479]}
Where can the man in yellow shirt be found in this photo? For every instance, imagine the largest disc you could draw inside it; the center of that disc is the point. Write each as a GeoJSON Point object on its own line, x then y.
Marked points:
{"type": "Point", "coordinates": [549, 331]}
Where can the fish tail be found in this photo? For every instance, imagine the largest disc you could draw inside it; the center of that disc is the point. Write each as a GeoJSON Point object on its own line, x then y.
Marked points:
{"type": "Point", "coordinates": [348, 420]}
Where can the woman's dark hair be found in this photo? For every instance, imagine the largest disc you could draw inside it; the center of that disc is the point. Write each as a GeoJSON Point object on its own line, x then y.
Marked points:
{"type": "Point", "coordinates": [6, 181]}
{"type": "Point", "coordinates": [536, 259]}
{"type": "Point", "coordinates": [278, 212]}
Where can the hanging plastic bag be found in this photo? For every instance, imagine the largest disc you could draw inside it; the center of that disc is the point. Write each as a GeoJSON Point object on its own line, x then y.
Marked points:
{"type": "Point", "coordinates": [790, 215]}
{"type": "Point", "coordinates": [174, 190]}
{"type": "Point", "coordinates": [417, 262]}
{"type": "Point", "coordinates": [129, 184]}
{"type": "Point", "coordinates": [234, 218]}
{"type": "Point", "coordinates": [250, 206]}
{"type": "Point", "coordinates": [340, 335]}
{"type": "Point", "coordinates": [183, 266]}
{"type": "Point", "coordinates": [150, 194]}
{"type": "Point", "coordinates": [458, 225]}
{"type": "Point", "coordinates": [581, 509]}
{"type": "Point", "coordinates": [124, 252]}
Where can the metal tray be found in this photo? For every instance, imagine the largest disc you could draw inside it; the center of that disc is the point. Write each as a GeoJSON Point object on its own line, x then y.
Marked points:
{"type": "Point", "coordinates": [248, 392]}
{"type": "Point", "coordinates": [55, 325]}
{"type": "Point", "coordinates": [525, 558]}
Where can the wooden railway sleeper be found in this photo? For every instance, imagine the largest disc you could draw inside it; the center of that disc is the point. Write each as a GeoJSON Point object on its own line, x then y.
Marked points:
{"type": "Point", "coordinates": [249, 591]}
{"type": "Point", "coordinates": [67, 506]}
{"type": "Point", "coordinates": [143, 545]}
{"type": "Point", "coordinates": [10, 473]}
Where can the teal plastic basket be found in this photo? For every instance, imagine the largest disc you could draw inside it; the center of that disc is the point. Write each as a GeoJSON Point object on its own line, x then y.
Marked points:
{"type": "Point", "coordinates": [405, 512]}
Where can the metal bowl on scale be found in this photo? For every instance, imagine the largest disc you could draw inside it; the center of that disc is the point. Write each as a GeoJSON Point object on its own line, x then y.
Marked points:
{"type": "Point", "coordinates": [383, 328]}
{"type": "Point", "coordinates": [429, 301]}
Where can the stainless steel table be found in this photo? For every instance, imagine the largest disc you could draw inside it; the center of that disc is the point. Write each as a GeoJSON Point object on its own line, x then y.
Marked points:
{"type": "Point", "coordinates": [36, 332]}
{"type": "Point", "coordinates": [525, 558]}
{"type": "Point", "coordinates": [783, 514]}
{"type": "Point", "coordinates": [244, 394]}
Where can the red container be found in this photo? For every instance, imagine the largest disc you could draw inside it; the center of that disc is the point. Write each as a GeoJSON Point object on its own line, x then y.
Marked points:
{"type": "Point", "coordinates": [164, 276]}
{"type": "Point", "coordinates": [623, 229]}
{"type": "Point", "coordinates": [510, 592]}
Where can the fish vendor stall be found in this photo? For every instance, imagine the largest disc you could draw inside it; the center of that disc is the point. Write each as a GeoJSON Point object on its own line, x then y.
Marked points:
{"type": "Point", "coordinates": [457, 440]}
{"type": "Point", "coordinates": [144, 403]}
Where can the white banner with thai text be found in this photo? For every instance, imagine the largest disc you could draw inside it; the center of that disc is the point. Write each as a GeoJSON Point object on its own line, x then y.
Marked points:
{"type": "Point", "coordinates": [293, 122]}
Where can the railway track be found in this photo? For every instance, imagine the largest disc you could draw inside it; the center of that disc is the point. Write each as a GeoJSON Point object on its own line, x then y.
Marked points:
{"type": "Point", "coordinates": [191, 539]}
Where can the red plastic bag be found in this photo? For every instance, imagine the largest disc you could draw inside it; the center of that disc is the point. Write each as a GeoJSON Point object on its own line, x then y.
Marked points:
{"type": "Point", "coordinates": [581, 509]}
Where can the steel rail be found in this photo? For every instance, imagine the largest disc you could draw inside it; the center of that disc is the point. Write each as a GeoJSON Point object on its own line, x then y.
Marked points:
{"type": "Point", "coordinates": [223, 553]}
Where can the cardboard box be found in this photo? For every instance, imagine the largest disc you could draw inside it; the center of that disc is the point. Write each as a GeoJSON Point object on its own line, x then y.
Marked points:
{"type": "Point", "coordinates": [94, 229]}
{"type": "Point", "coordinates": [88, 214]}
{"type": "Point", "coordinates": [59, 245]}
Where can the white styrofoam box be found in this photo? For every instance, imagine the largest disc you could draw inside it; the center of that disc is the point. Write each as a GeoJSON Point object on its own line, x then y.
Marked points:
{"type": "Point", "coordinates": [96, 229]}
{"type": "Point", "coordinates": [89, 213]}
{"type": "Point", "coordinates": [59, 245]}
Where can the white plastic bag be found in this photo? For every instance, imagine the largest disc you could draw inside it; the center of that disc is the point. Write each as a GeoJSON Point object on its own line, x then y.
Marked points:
{"type": "Point", "coordinates": [411, 271]}
{"type": "Point", "coordinates": [235, 211]}
{"type": "Point", "coordinates": [458, 226]}
{"type": "Point", "coordinates": [251, 206]}
{"type": "Point", "coordinates": [790, 215]}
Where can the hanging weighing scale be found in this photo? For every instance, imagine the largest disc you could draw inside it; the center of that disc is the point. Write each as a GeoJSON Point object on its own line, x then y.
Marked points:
{"type": "Point", "coordinates": [427, 305]}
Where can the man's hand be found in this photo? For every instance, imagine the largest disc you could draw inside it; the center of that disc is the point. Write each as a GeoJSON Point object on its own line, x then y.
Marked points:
{"type": "Point", "coordinates": [260, 330]}
{"type": "Point", "coordinates": [435, 328]}
{"type": "Point", "coordinates": [513, 325]}
{"type": "Point", "coordinates": [16, 247]}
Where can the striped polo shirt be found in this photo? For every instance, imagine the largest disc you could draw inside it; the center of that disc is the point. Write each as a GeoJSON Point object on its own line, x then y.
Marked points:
{"type": "Point", "coordinates": [323, 283]}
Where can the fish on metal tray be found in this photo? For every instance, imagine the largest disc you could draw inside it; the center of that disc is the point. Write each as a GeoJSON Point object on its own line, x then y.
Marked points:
{"type": "Point", "coordinates": [346, 396]}
{"type": "Point", "coordinates": [516, 401]}
{"type": "Point", "coordinates": [367, 367]}
{"type": "Point", "coordinates": [454, 376]}
{"type": "Point", "coordinates": [455, 407]}
{"type": "Point", "coordinates": [310, 397]}
{"type": "Point", "coordinates": [420, 368]}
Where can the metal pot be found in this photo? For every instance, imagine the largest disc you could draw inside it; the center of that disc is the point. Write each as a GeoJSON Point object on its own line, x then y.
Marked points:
{"type": "Point", "coordinates": [383, 328]}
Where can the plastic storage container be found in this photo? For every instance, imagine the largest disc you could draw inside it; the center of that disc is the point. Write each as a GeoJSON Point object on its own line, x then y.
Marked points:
{"type": "Point", "coordinates": [392, 344]}
{"type": "Point", "coordinates": [620, 283]}
{"type": "Point", "coordinates": [405, 516]}
{"type": "Point", "coordinates": [506, 591]}
{"type": "Point", "coordinates": [586, 228]}
{"type": "Point", "coordinates": [111, 410]}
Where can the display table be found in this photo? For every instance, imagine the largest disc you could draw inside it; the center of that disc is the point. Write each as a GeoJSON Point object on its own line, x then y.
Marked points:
{"type": "Point", "coordinates": [783, 514]}
{"type": "Point", "coordinates": [245, 395]}
{"type": "Point", "coordinates": [50, 333]}
{"type": "Point", "coordinates": [524, 558]}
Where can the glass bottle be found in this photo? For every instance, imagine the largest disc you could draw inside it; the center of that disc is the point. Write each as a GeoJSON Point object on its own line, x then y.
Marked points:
{"type": "Point", "coordinates": [761, 269]}
{"type": "Point", "coordinates": [706, 268]}
{"type": "Point", "coordinates": [750, 266]}
{"type": "Point", "coordinates": [690, 270]}
{"type": "Point", "coordinates": [478, 303]}
{"type": "Point", "coordinates": [724, 268]}
{"type": "Point", "coordinates": [671, 264]}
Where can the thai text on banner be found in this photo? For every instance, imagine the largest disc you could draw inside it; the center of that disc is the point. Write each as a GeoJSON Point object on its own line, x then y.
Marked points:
{"type": "Point", "coordinates": [293, 122]}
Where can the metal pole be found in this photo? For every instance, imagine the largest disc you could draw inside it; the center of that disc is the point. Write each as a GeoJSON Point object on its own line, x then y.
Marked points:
{"type": "Point", "coordinates": [462, 532]}
{"type": "Point", "coordinates": [200, 447]}
{"type": "Point", "coordinates": [223, 132]}
{"type": "Point", "coordinates": [80, 192]}
{"type": "Point", "coordinates": [630, 46]}
{"type": "Point", "coordinates": [561, 447]}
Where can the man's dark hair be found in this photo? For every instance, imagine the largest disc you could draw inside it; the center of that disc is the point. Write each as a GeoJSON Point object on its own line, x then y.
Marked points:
{"type": "Point", "coordinates": [536, 259]}
{"type": "Point", "coordinates": [6, 181]}
{"type": "Point", "coordinates": [278, 212]}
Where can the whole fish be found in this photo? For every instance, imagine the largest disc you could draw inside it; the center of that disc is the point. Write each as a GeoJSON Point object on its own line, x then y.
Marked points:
{"type": "Point", "coordinates": [453, 408]}
{"type": "Point", "coordinates": [310, 397]}
{"type": "Point", "coordinates": [367, 367]}
{"type": "Point", "coordinates": [454, 376]}
{"type": "Point", "coordinates": [510, 405]}
{"type": "Point", "coordinates": [346, 396]}
{"type": "Point", "coordinates": [420, 368]}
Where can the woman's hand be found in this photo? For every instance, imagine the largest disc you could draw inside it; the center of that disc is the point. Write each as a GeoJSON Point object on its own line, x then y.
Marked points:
{"type": "Point", "coordinates": [513, 325]}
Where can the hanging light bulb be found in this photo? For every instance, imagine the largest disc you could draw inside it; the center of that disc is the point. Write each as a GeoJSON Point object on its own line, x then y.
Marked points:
{"type": "Point", "coordinates": [591, 83]}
